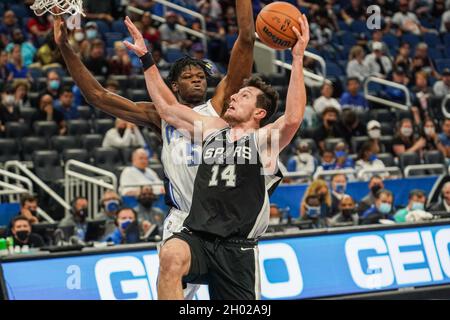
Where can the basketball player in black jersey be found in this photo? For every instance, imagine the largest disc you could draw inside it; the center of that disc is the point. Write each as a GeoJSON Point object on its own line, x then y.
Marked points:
{"type": "Point", "coordinates": [218, 244]}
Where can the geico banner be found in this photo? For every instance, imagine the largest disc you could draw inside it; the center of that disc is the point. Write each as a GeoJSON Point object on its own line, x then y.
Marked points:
{"type": "Point", "coordinates": [291, 268]}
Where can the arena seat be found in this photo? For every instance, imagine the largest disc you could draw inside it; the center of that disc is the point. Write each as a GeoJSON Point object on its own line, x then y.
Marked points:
{"type": "Point", "coordinates": [357, 142]}
{"type": "Point", "coordinates": [60, 143]}
{"type": "Point", "coordinates": [407, 159]}
{"type": "Point", "coordinates": [16, 129]}
{"type": "Point", "coordinates": [85, 112]}
{"type": "Point", "coordinates": [411, 38]}
{"type": "Point", "coordinates": [47, 166]}
{"type": "Point", "coordinates": [331, 143]}
{"type": "Point", "coordinates": [124, 81]}
{"type": "Point", "coordinates": [387, 159]}
{"type": "Point", "coordinates": [101, 126]}
{"type": "Point", "coordinates": [78, 127]}
{"type": "Point", "coordinates": [386, 141]}
{"type": "Point", "coordinates": [138, 95]}
{"type": "Point", "coordinates": [91, 141]}
{"type": "Point", "coordinates": [31, 144]}
{"type": "Point", "coordinates": [125, 155]}
{"type": "Point", "coordinates": [9, 150]}
{"type": "Point", "coordinates": [432, 39]}
{"type": "Point", "coordinates": [387, 128]}
{"type": "Point", "coordinates": [27, 114]}
{"type": "Point", "coordinates": [119, 26]}
{"type": "Point", "coordinates": [434, 156]}
{"type": "Point", "coordinates": [45, 128]}
{"type": "Point", "coordinates": [75, 154]}
{"type": "Point", "coordinates": [106, 158]}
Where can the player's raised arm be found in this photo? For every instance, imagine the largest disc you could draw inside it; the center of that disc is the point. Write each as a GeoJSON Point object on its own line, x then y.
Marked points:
{"type": "Point", "coordinates": [167, 105]}
{"type": "Point", "coordinates": [140, 113]}
{"type": "Point", "coordinates": [288, 124]}
{"type": "Point", "coordinates": [241, 60]}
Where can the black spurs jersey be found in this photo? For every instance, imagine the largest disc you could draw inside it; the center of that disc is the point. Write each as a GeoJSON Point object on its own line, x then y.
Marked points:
{"type": "Point", "coordinates": [230, 196]}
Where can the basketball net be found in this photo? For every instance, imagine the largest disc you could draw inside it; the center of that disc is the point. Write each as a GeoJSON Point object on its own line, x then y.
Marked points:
{"type": "Point", "coordinates": [58, 7]}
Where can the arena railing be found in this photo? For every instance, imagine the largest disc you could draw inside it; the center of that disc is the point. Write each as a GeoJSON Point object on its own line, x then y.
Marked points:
{"type": "Point", "coordinates": [444, 106]}
{"type": "Point", "coordinates": [363, 173]}
{"type": "Point", "coordinates": [201, 35]}
{"type": "Point", "coordinates": [81, 179]}
{"type": "Point", "coordinates": [389, 103]}
{"type": "Point", "coordinates": [22, 185]}
{"type": "Point", "coordinates": [327, 173]}
{"type": "Point", "coordinates": [416, 167]}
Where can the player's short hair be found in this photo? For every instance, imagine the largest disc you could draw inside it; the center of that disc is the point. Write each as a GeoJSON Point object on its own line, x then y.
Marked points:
{"type": "Point", "coordinates": [19, 218]}
{"type": "Point", "coordinates": [179, 65]}
{"type": "Point", "coordinates": [27, 198]}
{"type": "Point", "coordinates": [268, 100]}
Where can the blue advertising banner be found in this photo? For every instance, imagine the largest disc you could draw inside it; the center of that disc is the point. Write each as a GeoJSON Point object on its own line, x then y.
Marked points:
{"type": "Point", "coordinates": [291, 268]}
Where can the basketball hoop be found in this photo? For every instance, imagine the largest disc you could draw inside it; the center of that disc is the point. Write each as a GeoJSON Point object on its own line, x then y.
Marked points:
{"type": "Point", "coordinates": [58, 7]}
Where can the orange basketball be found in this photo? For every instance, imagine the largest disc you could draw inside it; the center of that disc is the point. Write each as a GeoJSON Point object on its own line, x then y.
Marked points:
{"type": "Point", "coordinates": [274, 25]}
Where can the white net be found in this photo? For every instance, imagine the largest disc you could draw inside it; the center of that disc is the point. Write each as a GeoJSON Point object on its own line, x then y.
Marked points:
{"type": "Point", "coordinates": [57, 7]}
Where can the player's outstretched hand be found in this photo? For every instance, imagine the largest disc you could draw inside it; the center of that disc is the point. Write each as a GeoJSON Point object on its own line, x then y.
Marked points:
{"type": "Point", "coordinates": [302, 37]}
{"type": "Point", "coordinates": [60, 31]}
{"type": "Point", "coordinates": [139, 46]}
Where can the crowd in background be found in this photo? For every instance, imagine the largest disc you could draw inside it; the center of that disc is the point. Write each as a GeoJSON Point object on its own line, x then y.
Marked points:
{"type": "Point", "coordinates": [341, 129]}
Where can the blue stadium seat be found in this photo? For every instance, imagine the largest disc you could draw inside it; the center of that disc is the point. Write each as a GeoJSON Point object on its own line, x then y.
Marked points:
{"type": "Point", "coordinates": [119, 27]}
{"type": "Point", "coordinates": [412, 39]}
{"type": "Point", "coordinates": [343, 26]}
{"type": "Point", "coordinates": [447, 52]}
{"type": "Point", "coordinates": [442, 63]}
{"type": "Point", "coordinates": [102, 26]}
{"type": "Point", "coordinates": [432, 39]}
{"type": "Point", "coordinates": [446, 39]}
{"type": "Point", "coordinates": [390, 40]}
{"type": "Point", "coordinates": [173, 55]}
{"type": "Point", "coordinates": [334, 69]}
{"type": "Point", "coordinates": [359, 27]}
{"type": "Point", "coordinates": [435, 53]}
{"type": "Point", "coordinates": [20, 10]}
{"type": "Point", "coordinates": [112, 37]}
{"type": "Point", "coordinates": [348, 39]}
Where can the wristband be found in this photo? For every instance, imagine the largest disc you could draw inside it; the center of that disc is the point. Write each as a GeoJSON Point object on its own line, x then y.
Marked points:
{"type": "Point", "coordinates": [147, 61]}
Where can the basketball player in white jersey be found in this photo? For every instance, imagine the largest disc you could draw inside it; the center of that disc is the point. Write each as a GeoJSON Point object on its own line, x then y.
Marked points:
{"type": "Point", "coordinates": [188, 81]}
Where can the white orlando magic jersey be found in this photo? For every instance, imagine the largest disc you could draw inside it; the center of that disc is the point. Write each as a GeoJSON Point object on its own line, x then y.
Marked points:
{"type": "Point", "coordinates": [181, 158]}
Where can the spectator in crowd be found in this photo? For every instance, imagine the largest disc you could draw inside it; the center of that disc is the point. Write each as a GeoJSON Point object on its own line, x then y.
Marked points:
{"type": "Point", "coordinates": [328, 161]}
{"type": "Point", "coordinates": [48, 55]}
{"type": "Point", "coordinates": [441, 88]}
{"type": "Point", "coordinates": [377, 36]}
{"type": "Point", "coordinates": [328, 127]}
{"type": "Point", "coordinates": [367, 160]}
{"type": "Point", "coordinates": [322, 32]}
{"type": "Point", "coordinates": [96, 62]}
{"type": "Point", "coordinates": [54, 86]}
{"type": "Point", "coordinates": [110, 204]}
{"type": "Point", "coordinates": [28, 208]}
{"type": "Point", "coordinates": [16, 67]}
{"type": "Point", "coordinates": [407, 21]}
{"type": "Point", "coordinates": [198, 52]}
{"type": "Point", "coordinates": [216, 37]}
{"type": "Point", "coordinates": [302, 160]}
{"type": "Point", "coordinates": [381, 210]}
{"type": "Point", "coordinates": [170, 36]}
{"type": "Point", "coordinates": [123, 135]}
{"type": "Point", "coordinates": [422, 92]}
{"type": "Point", "coordinates": [445, 22]}
{"type": "Point", "coordinates": [353, 11]}
{"type": "Point", "coordinates": [120, 62]}
{"type": "Point", "coordinates": [375, 184]}
{"type": "Point", "coordinates": [150, 30]}
{"type": "Point", "coordinates": [138, 174]}
{"type": "Point", "coordinates": [27, 50]}
{"type": "Point", "coordinates": [48, 113]}
{"type": "Point", "coordinates": [275, 216]}
{"type": "Point", "coordinates": [350, 126]}
{"type": "Point", "coordinates": [4, 71]}
{"type": "Point", "coordinates": [343, 161]}
{"type": "Point", "coordinates": [66, 105]}
{"type": "Point", "coordinates": [338, 189]}
{"type": "Point", "coordinates": [319, 189]}
{"type": "Point", "coordinates": [377, 62]}
{"type": "Point", "coordinates": [126, 231]}
{"type": "Point", "coordinates": [374, 133]}
{"type": "Point", "coordinates": [79, 42]}
{"type": "Point", "coordinates": [314, 211]}
{"type": "Point", "coordinates": [100, 10]}
{"type": "Point", "coordinates": [355, 66]}
{"type": "Point", "coordinates": [39, 27]}
{"type": "Point", "coordinates": [404, 140]}
{"type": "Point", "coordinates": [148, 215]}
{"type": "Point", "coordinates": [347, 213]}
{"type": "Point", "coordinates": [7, 26]}
{"type": "Point", "coordinates": [444, 137]}
{"type": "Point", "coordinates": [21, 88]}
{"type": "Point", "coordinates": [211, 8]}
{"type": "Point", "coordinates": [91, 31]}
{"type": "Point", "coordinates": [431, 137]}
{"type": "Point", "coordinates": [352, 98]}
{"type": "Point", "coordinates": [403, 58]}
{"type": "Point", "coordinates": [326, 99]}
{"type": "Point", "coordinates": [9, 112]}
{"type": "Point", "coordinates": [422, 61]}
{"type": "Point", "coordinates": [443, 205]}
{"type": "Point", "coordinates": [22, 232]}
{"type": "Point", "coordinates": [416, 201]}
{"type": "Point", "coordinates": [75, 224]}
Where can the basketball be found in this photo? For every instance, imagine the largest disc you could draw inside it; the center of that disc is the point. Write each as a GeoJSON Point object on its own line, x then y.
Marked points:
{"type": "Point", "coordinates": [274, 25]}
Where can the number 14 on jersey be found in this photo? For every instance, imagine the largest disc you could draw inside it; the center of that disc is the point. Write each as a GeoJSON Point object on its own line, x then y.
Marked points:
{"type": "Point", "coordinates": [228, 175]}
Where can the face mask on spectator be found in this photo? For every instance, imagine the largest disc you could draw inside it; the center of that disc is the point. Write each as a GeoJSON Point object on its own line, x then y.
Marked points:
{"type": "Point", "coordinates": [81, 214]}
{"type": "Point", "coordinates": [312, 212]}
{"type": "Point", "coordinates": [331, 122]}
{"type": "Point", "coordinates": [385, 208]}
{"type": "Point", "coordinates": [275, 220]}
{"type": "Point", "coordinates": [22, 235]}
{"type": "Point", "coordinates": [375, 134]}
{"type": "Point", "coordinates": [111, 205]}
{"type": "Point", "coordinates": [375, 189]}
{"type": "Point", "coordinates": [91, 34]}
{"type": "Point", "coordinates": [340, 188]}
{"type": "Point", "coordinates": [78, 36]}
{"type": "Point", "coordinates": [348, 212]}
{"type": "Point", "coordinates": [146, 201]}
{"type": "Point", "coordinates": [340, 154]}
{"type": "Point", "coordinates": [407, 132]}
{"type": "Point", "coordinates": [33, 212]}
{"type": "Point", "coordinates": [125, 223]}
{"type": "Point", "coordinates": [373, 157]}
{"type": "Point", "coordinates": [54, 84]}
{"type": "Point", "coordinates": [429, 131]}
{"type": "Point", "coordinates": [417, 206]}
